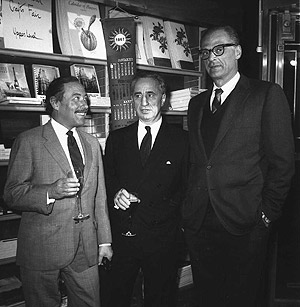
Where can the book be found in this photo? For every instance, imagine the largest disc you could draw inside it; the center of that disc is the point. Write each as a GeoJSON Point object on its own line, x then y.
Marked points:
{"type": "Point", "coordinates": [179, 49]}
{"type": "Point", "coordinates": [79, 29]}
{"type": "Point", "coordinates": [21, 100]}
{"type": "Point", "coordinates": [1, 27]}
{"type": "Point", "coordinates": [87, 76]}
{"type": "Point", "coordinates": [13, 82]}
{"type": "Point", "coordinates": [27, 25]}
{"type": "Point", "coordinates": [155, 41]}
{"type": "Point", "coordinates": [43, 75]}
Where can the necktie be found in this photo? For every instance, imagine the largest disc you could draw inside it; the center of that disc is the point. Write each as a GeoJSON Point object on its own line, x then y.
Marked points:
{"type": "Point", "coordinates": [75, 154]}
{"type": "Point", "coordinates": [217, 100]}
{"type": "Point", "coordinates": [146, 145]}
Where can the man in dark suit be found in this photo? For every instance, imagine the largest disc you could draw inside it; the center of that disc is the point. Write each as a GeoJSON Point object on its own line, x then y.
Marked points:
{"type": "Point", "coordinates": [158, 183]}
{"type": "Point", "coordinates": [241, 164]}
{"type": "Point", "coordinates": [51, 244]}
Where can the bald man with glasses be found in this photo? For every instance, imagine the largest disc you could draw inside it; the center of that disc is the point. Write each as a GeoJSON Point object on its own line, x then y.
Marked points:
{"type": "Point", "coordinates": [241, 164]}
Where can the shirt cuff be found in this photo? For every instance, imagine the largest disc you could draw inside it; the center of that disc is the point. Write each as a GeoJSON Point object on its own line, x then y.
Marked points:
{"type": "Point", "coordinates": [104, 244]}
{"type": "Point", "coordinates": [50, 200]}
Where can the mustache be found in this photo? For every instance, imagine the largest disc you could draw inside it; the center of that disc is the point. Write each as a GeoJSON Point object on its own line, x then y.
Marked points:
{"type": "Point", "coordinates": [82, 110]}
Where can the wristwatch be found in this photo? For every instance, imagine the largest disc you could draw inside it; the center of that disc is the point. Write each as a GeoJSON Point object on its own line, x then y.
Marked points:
{"type": "Point", "coordinates": [265, 219]}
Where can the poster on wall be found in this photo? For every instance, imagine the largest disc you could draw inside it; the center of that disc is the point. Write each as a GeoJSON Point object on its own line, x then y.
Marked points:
{"type": "Point", "coordinates": [120, 39]}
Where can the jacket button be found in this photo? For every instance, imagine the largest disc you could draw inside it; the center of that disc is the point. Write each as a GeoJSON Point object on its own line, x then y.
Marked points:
{"type": "Point", "coordinates": [208, 167]}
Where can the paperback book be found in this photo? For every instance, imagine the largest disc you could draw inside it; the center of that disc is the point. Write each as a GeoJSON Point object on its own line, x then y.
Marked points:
{"type": "Point", "coordinates": [13, 82]}
{"type": "Point", "coordinates": [79, 29]}
{"type": "Point", "coordinates": [87, 76]}
{"type": "Point", "coordinates": [155, 40]}
{"type": "Point", "coordinates": [179, 49]}
{"type": "Point", "coordinates": [27, 25]}
{"type": "Point", "coordinates": [42, 76]}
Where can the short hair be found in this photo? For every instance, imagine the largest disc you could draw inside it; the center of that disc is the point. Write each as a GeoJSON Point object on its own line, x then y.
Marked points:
{"type": "Point", "coordinates": [229, 30]}
{"type": "Point", "coordinates": [156, 77]}
{"type": "Point", "coordinates": [57, 88]}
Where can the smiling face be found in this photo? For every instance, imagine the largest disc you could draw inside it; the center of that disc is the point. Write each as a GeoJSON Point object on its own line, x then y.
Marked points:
{"type": "Point", "coordinates": [148, 99]}
{"type": "Point", "coordinates": [71, 110]}
{"type": "Point", "coordinates": [221, 68]}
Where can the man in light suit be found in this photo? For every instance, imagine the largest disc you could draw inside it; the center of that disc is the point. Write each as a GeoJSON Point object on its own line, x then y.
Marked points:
{"type": "Point", "coordinates": [51, 244]}
{"type": "Point", "coordinates": [159, 185]}
{"type": "Point", "coordinates": [241, 163]}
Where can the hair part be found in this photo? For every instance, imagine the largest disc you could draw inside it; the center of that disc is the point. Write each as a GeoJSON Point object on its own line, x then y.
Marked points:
{"type": "Point", "coordinates": [156, 77]}
{"type": "Point", "coordinates": [57, 89]}
{"type": "Point", "coordinates": [229, 30]}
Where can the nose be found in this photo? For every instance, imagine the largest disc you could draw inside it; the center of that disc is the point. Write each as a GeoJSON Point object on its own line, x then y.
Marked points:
{"type": "Point", "coordinates": [144, 100]}
{"type": "Point", "coordinates": [211, 55]}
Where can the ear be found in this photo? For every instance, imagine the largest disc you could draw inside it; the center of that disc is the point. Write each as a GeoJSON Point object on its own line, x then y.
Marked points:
{"type": "Point", "coordinates": [238, 52]}
{"type": "Point", "coordinates": [163, 99]}
{"type": "Point", "coordinates": [54, 102]}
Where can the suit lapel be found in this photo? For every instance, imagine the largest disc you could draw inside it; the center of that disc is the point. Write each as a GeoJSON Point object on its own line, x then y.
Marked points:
{"type": "Point", "coordinates": [87, 149]}
{"type": "Point", "coordinates": [54, 147]}
{"type": "Point", "coordinates": [236, 102]}
{"type": "Point", "coordinates": [198, 115]}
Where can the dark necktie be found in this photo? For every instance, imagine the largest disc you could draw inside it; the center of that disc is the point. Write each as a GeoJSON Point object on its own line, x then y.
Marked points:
{"type": "Point", "coordinates": [146, 146]}
{"type": "Point", "coordinates": [75, 154]}
{"type": "Point", "coordinates": [217, 100]}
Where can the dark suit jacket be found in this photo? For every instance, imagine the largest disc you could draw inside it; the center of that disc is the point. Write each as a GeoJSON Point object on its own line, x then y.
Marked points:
{"type": "Point", "coordinates": [46, 239]}
{"type": "Point", "coordinates": [252, 161]}
{"type": "Point", "coordinates": [160, 185]}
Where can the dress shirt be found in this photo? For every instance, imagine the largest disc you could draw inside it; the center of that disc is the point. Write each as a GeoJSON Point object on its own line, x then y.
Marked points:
{"type": "Point", "coordinates": [227, 89]}
{"type": "Point", "coordinates": [61, 132]}
{"type": "Point", "coordinates": [154, 131]}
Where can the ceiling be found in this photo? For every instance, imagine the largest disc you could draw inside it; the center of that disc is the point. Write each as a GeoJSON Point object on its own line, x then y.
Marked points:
{"type": "Point", "coordinates": [199, 12]}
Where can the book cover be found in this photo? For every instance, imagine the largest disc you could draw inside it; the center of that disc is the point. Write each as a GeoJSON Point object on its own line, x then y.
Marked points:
{"type": "Point", "coordinates": [27, 25]}
{"type": "Point", "coordinates": [43, 75]}
{"type": "Point", "coordinates": [180, 52]}
{"type": "Point", "coordinates": [87, 76]}
{"type": "Point", "coordinates": [13, 82]}
{"type": "Point", "coordinates": [80, 29]}
{"type": "Point", "coordinates": [1, 27]}
{"type": "Point", "coordinates": [155, 41]}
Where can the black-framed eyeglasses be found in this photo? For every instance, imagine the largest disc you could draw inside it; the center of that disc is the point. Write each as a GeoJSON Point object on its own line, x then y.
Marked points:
{"type": "Point", "coordinates": [217, 50]}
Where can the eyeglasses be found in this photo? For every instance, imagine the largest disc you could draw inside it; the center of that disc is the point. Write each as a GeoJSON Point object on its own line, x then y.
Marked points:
{"type": "Point", "coordinates": [217, 51]}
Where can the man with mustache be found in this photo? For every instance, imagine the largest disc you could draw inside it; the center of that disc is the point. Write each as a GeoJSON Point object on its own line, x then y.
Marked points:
{"type": "Point", "coordinates": [41, 183]}
{"type": "Point", "coordinates": [241, 164]}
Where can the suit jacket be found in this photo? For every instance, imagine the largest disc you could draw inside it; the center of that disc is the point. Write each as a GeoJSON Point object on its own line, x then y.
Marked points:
{"type": "Point", "coordinates": [47, 239]}
{"type": "Point", "coordinates": [160, 184]}
{"type": "Point", "coordinates": [251, 163]}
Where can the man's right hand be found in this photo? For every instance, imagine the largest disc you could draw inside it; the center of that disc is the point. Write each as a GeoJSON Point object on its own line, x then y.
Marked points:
{"type": "Point", "coordinates": [64, 187]}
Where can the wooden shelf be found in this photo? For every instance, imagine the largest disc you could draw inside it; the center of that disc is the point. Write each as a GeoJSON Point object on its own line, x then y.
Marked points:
{"type": "Point", "coordinates": [4, 106]}
{"type": "Point", "coordinates": [9, 216]}
{"type": "Point", "coordinates": [7, 260]}
{"type": "Point", "coordinates": [53, 57]}
{"type": "Point", "coordinates": [3, 162]}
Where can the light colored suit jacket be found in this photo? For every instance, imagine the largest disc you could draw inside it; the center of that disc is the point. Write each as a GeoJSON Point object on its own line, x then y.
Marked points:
{"type": "Point", "coordinates": [46, 238]}
{"type": "Point", "coordinates": [251, 163]}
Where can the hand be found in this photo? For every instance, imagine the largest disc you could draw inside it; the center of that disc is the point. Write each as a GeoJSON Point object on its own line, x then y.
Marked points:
{"type": "Point", "coordinates": [64, 187]}
{"type": "Point", "coordinates": [105, 251]}
{"type": "Point", "coordinates": [123, 199]}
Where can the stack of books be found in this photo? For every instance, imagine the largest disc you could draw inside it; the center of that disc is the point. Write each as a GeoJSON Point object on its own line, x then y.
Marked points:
{"type": "Point", "coordinates": [185, 276]}
{"type": "Point", "coordinates": [179, 100]}
{"type": "Point", "coordinates": [98, 126]}
{"type": "Point", "coordinates": [79, 29]}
